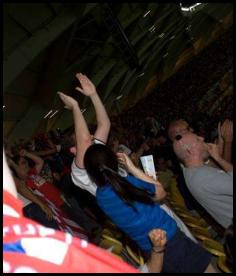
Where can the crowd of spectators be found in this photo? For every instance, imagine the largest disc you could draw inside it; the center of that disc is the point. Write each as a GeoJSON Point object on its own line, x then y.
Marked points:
{"type": "Point", "coordinates": [75, 180]}
{"type": "Point", "coordinates": [183, 94]}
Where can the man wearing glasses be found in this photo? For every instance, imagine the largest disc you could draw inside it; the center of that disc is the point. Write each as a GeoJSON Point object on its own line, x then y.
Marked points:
{"type": "Point", "coordinates": [211, 187]}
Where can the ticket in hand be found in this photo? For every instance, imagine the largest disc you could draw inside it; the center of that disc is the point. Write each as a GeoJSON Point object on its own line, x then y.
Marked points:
{"type": "Point", "coordinates": [148, 165]}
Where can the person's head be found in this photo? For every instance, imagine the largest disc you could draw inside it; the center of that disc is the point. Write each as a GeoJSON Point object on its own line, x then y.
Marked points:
{"type": "Point", "coordinates": [178, 127]}
{"type": "Point", "coordinates": [161, 137]}
{"type": "Point", "coordinates": [96, 157]}
{"type": "Point", "coordinates": [73, 143]}
{"type": "Point", "coordinates": [30, 145]}
{"type": "Point", "coordinates": [101, 165]}
{"type": "Point", "coordinates": [190, 149]}
{"type": "Point", "coordinates": [23, 165]}
{"type": "Point", "coordinates": [162, 163]}
{"type": "Point", "coordinates": [56, 171]}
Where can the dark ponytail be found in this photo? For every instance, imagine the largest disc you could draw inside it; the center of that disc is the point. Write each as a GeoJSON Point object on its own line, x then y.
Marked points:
{"type": "Point", "coordinates": [102, 166]}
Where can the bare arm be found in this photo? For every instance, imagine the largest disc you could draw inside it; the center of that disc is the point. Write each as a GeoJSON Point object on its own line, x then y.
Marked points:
{"type": "Point", "coordinates": [227, 153]}
{"type": "Point", "coordinates": [83, 138]}
{"type": "Point", "coordinates": [27, 193]}
{"type": "Point", "coordinates": [160, 193]}
{"type": "Point", "coordinates": [220, 141]}
{"type": "Point", "coordinates": [8, 182]}
{"type": "Point", "coordinates": [103, 121]}
{"type": "Point", "coordinates": [226, 166]}
{"type": "Point", "coordinates": [136, 155]}
{"type": "Point", "coordinates": [227, 135]}
{"type": "Point", "coordinates": [38, 160]}
{"type": "Point", "coordinates": [214, 152]}
{"type": "Point", "coordinates": [45, 152]}
{"type": "Point", "coordinates": [158, 239]}
{"type": "Point", "coordinates": [13, 165]}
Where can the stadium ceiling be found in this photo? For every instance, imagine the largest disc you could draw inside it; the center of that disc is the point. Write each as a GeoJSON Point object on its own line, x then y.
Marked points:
{"type": "Point", "coordinates": [126, 49]}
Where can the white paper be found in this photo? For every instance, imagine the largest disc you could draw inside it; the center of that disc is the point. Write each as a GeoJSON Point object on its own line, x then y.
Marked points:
{"type": "Point", "coordinates": [148, 165]}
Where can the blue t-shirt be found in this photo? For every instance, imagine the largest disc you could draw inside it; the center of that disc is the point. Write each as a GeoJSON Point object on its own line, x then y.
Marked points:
{"type": "Point", "coordinates": [136, 224]}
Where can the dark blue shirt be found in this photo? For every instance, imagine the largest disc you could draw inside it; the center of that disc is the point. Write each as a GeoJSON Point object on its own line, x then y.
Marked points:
{"type": "Point", "coordinates": [135, 223]}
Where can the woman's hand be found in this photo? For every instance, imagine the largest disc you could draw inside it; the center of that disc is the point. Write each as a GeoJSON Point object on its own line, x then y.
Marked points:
{"type": "Point", "coordinates": [124, 160]}
{"type": "Point", "coordinates": [158, 239]}
{"type": "Point", "coordinates": [88, 88]}
{"type": "Point", "coordinates": [227, 131]}
{"type": "Point", "coordinates": [69, 102]}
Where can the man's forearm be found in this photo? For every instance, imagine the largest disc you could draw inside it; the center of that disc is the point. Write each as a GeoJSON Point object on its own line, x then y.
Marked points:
{"type": "Point", "coordinates": [103, 121]}
{"type": "Point", "coordinates": [221, 146]}
{"type": "Point", "coordinates": [101, 114]}
{"type": "Point", "coordinates": [83, 138]}
{"type": "Point", "coordinates": [46, 152]}
{"type": "Point", "coordinates": [81, 129]}
{"type": "Point", "coordinates": [27, 193]}
{"type": "Point", "coordinates": [227, 152]}
{"type": "Point", "coordinates": [226, 166]}
{"type": "Point", "coordinates": [34, 157]}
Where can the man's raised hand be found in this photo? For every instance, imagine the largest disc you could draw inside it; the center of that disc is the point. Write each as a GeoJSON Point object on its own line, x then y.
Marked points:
{"type": "Point", "coordinates": [88, 88]}
{"type": "Point", "coordinates": [69, 102]}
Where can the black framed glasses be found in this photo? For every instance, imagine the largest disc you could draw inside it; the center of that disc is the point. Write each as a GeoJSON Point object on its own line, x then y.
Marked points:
{"type": "Point", "coordinates": [178, 137]}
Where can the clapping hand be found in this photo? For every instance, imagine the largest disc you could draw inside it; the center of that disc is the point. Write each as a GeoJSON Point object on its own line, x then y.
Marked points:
{"type": "Point", "coordinates": [227, 131]}
{"type": "Point", "coordinates": [158, 239]}
{"type": "Point", "coordinates": [88, 87]}
{"type": "Point", "coordinates": [124, 160]}
{"type": "Point", "coordinates": [69, 102]}
{"type": "Point", "coordinates": [213, 150]}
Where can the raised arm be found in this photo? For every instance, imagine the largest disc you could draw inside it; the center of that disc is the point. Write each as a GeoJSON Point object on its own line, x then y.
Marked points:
{"type": "Point", "coordinates": [103, 121]}
{"type": "Point", "coordinates": [220, 141]}
{"type": "Point", "coordinates": [160, 193]}
{"type": "Point", "coordinates": [8, 182]}
{"type": "Point", "coordinates": [158, 239]}
{"type": "Point", "coordinates": [227, 135]}
{"type": "Point", "coordinates": [27, 193]}
{"type": "Point", "coordinates": [136, 155]}
{"type": "Point", "coordinates": [45, 152]}
{"type": "Point", "coordinates": [213, 150]}
{"type": "Point", "coordinates": [37, 160]}
{"type": "Point", "coordinates": [83, 138]}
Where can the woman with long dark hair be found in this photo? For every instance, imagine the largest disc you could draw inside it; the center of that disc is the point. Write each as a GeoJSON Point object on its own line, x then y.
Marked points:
{"type": "Point", "coordinates": [132, 203]}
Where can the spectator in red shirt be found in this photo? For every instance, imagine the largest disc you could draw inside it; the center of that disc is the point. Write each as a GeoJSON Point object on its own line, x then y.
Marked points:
{"type": "Point", "coordinates": [50, 193]}
{"type": "Point", "coordinates": [30, 247]}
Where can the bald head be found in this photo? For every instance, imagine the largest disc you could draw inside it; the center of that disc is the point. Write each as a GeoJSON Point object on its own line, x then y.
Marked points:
{"type": "Point", "coordinates": [178, 127]}
{"type": "Point", "coordinates": [191, 149]}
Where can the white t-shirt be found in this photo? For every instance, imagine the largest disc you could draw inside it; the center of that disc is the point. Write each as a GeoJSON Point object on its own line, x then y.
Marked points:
{"type": "Point", "coordinates": [81, 179]}
{"type": "Point", "coordinates": [80, 176]}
